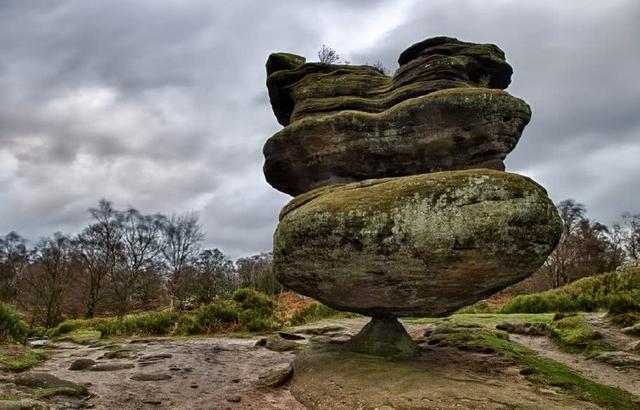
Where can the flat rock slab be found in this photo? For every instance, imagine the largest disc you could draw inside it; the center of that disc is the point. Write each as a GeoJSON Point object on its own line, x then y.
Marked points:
{"type": "Point", "coordinates": [278, 343]}
{"type": "Point", "coordinates": [441, 378]}
{"type": "Point", "coordinates": [275, 377]}
{"type": "Point", "coordinates": [109, 367]}
{"type": "Point", "coordinates": [25, 404]}
{"type": "Point", "coordinates": [150, 377]}
{"type": "Point", "coordinates": [41, 380]}
{"type": "Point", "coordinates": [620, 359]}
{"type": "Point", "coordinates": [82, 364]}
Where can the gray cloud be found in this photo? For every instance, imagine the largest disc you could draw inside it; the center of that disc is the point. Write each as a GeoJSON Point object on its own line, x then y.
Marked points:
{"type": "Point", "coordinates": [161, 105]}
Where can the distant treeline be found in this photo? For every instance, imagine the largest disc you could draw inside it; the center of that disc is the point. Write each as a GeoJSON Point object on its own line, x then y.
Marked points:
{"type": "Point", "coordinates": [123, 261]}
{"type": "Point", "coordinates": [126, 261]}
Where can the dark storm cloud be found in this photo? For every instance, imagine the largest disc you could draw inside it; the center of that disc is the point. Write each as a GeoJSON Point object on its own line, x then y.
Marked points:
{"type": "Point", "coordinates": [161, 105]}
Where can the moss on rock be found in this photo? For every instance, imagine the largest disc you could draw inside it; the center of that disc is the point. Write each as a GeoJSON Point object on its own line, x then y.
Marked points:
{"type": "Point", "coordinates": [422, 245]}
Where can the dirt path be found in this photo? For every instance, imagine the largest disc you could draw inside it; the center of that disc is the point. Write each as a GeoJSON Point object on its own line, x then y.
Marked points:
{"type": "Point", "coordinates": [610, 333]}
{"type": "Point", "coordinates": [202, 373]}
{"type": "Point", "coordinates": [624, 378]}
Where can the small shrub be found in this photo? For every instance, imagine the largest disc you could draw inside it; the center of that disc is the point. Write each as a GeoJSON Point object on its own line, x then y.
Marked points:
{"type": "Point", "coordinates": [66, 327]}
{"type": "Point", "coordinates": [254, 300]}
{"type": "Point", "coordinates": [327, 55]}
{"type": "Point", "coordinates": [313, 312]}
{"type": "Point", "coordinates": [255, 322]}
{"type": "Point", "coordinates": [619, 304]}
{"type": "Point", "coordinates": [11, 327]}
{"type": "Point", "coordinates": [215, 315]}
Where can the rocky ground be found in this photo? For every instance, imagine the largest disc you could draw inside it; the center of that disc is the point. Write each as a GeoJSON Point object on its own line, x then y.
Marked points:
{"type": "Point", "coordinates": [234, 373]}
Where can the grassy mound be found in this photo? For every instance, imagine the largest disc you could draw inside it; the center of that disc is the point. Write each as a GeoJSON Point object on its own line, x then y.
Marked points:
{"type": "Point", "coordinates": [17, 358]}
{"type": "Point", "coordinates": [608, 291]}
{"type": "Point", "coordinates": [575, 334]}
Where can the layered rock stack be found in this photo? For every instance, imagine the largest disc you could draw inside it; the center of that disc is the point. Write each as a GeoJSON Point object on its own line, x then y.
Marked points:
{"type": "Point", "coordinates": [402, 207]}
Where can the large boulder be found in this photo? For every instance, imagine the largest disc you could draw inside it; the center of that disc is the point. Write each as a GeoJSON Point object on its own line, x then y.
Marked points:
{"type": "Point", "coordinates": [423, 245]}
{"type": "Point", "coordinates": [459, 128]}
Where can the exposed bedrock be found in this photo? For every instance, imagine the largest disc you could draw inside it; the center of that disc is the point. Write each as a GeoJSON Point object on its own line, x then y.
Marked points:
{"type": "Point", "coordinates": [423, 245]}
{"type": "Point", "coordinates": [459, 128]}
{"type": "Point", "coordinates": [298, 89]}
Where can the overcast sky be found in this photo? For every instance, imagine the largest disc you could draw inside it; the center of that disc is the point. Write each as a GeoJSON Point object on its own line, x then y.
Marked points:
{"type": "Point", "coordinates": [162, 105]}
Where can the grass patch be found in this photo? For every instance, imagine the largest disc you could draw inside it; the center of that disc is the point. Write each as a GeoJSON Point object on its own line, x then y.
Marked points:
{"type": "Point", "coordinates": [575, 334]}
{"type": "Point", "coordinates": [608, 291]}
{"type": "Point", "coordinates": [17, 358]}
{"type": "Point", "coordinates": [487, 319]}
{"type": "Point", "coordinates": [314, 312]}
{"type": "Point", "coordinates": [11, 397]}
{"type": "Point", "coordinates": [81, 336]}
{"type": "Point", "coordinates": [537, 369]}
{"type": "Point", "coordinates": [57, 391]}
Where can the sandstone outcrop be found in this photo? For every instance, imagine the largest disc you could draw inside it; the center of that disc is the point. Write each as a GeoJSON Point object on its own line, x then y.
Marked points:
{"type": "Point", "coordinates": [402, 206]}
{"type": "Point", "coordinates": [442, 110]}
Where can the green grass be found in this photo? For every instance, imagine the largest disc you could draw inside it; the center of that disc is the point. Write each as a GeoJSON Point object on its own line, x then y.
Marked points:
{"type": "Point", "coordinates": [17, 358]}
{"type": "Point", "coordinates": [575, 334]}
{"type": "Point", "coordinates": [57, 391]}
{"type": "Point", "coordinates": [487, 319]}
{"type": "Point", "coordinates": [314, 312]}
{"type": "Point", "coordinates": [81, 336]}
{"type": "Point", "coordinates": [608, 291]}
{"type": "Point", "coordinates": [11, 327]}
{"type": "Point", "coordinates": [11, 397]}
{"type": "Point", "coordinates": [248, 310]}
{"type": "Point", "coordinates": [538, 370]}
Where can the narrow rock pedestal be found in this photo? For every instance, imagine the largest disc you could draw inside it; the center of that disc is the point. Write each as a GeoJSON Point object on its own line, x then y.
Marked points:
{"type": "Point", "coordinates": [383, 336]}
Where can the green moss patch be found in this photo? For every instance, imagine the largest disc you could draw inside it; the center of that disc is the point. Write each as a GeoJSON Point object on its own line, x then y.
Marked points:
{"type": "Point", "coordinates": [575, 334]}
{"type": "Point", "coordinates": [18, 358]}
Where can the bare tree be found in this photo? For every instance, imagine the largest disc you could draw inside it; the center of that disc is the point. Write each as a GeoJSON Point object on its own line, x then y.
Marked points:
{"type": "Point", "coordinates": [565, 254]}
{"type": "Point", "coordinates": [45, 281]}
{"type": "Point", "coordinates": [257, 272]}
{"type": "Point", "coordinates": [141, 237]}
{"type": "Point", "coordinates": [380, 67]}
{"type": "Point", "coordinates": [631, 235]}
{"type": "Point", "coordinates": [215, 275]}
{"type": "Point", "coordinates": [13, 260]}
{"type": "Point", "coordinates": [100, 251]}
{"type": "Point", "coordinates": [182, 235]}
{"type": "Point", "coordinates": [327, 55]}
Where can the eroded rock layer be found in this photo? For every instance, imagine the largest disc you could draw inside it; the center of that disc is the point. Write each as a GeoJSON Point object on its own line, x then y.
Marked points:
{"type": "Point", "coordinates": [423, 245]}
{"type": "Point", "coordinates": [458, 128]}
{"type": "Point", "coordinates": [441, 110]}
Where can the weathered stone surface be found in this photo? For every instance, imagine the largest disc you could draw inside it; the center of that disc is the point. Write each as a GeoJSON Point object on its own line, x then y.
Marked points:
{"type": "Point", "coordinates": [43, 380]}
{"type": "Point", "coordinates": [442, 110]}
{"type": "Point", "coordinates": [150, 377]}
{"type": "Point", "coordinates": [81, 364]}
{"type": "Point", "coordinates": [275, 377]}
{"type": "Point", "coordinates": [300, 90]}
{"type": "Point", "coordinates": [421, 245]}
{"type": "Point", "coordinates": [383, 337]}
{"type": "Point", "coordinates": [460, 128]}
